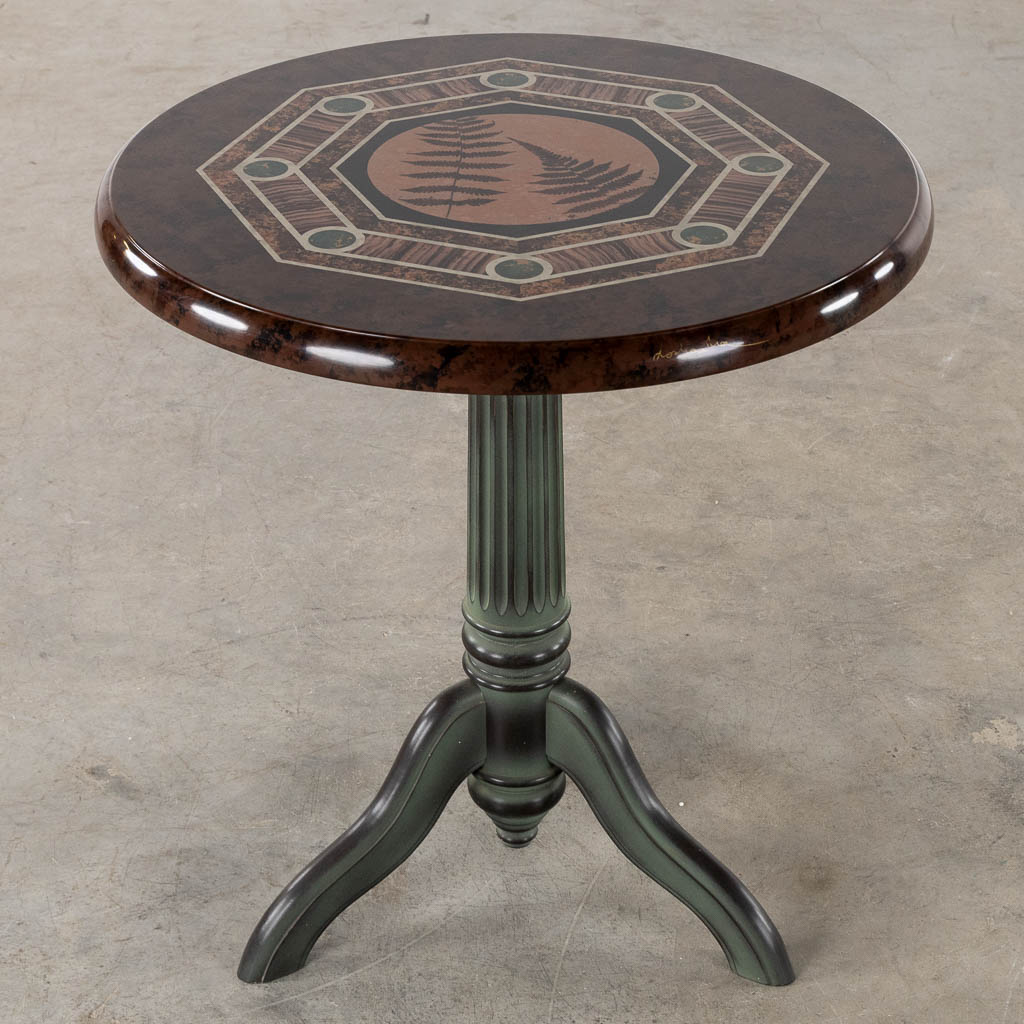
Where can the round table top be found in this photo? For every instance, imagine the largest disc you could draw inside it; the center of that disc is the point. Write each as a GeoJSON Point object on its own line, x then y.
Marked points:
{"type": "Point", "coordinates": [514, 214]}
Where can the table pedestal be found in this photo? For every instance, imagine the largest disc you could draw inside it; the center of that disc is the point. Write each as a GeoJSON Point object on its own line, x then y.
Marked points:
{"type": "Point", "coordinates": [516, 726]}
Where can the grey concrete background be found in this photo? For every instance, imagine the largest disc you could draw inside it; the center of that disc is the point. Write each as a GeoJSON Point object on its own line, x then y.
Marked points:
{"type": "Point", "coordinates": [227, 590]}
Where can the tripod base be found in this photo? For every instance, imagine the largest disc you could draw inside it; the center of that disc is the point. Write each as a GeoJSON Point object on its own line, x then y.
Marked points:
{"type": "Point", "coordinates": [449, 743]}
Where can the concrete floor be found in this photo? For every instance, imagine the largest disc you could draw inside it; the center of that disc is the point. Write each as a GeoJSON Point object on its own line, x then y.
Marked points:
{"type": "Point", "coordinates": [228, 590]}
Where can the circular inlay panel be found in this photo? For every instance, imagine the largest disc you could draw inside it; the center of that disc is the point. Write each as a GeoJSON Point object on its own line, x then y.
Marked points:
{"type": "Point", "coordinates": [517, 269]}
{"type": "Point", "coordinates": [332, 238]}
{"type": "Point", "coordinates": [673, 101]}
{"type": "Point", "coordinates": [507, 79]}
{"type": "Point", "coordinates": [703, 234]}
{"type": "Point", "coordinates": [759, 164]}
{"type": "Point", "coordinates": [518, 169]}
{"type": "Point", "coordinates": [345, 104]}
{"type": "Point", "coordinates": [265, 168]}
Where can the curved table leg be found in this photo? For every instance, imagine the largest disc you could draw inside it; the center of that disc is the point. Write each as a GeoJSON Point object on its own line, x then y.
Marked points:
{"type": "Point", "coordinates": [585, 741]}
{"type": "Point", "coordinates": [445, 745]}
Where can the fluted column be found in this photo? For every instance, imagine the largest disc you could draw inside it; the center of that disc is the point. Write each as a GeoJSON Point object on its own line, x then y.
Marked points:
{"type": "Point", "coordinates": [516, 611]}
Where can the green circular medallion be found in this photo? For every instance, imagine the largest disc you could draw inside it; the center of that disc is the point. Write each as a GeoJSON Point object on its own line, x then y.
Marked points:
{"type": "Point", "coordinates": [265, 168]}
{"type": "Point", "coordinates": [507, 78]}
{"type": "Point", "coordinates": [674, 101]}
{"type": "Point", "coordinates": [703, 234]}
{"type": "Point", "coordinates": [344, 104]}
{"type": "Point", "coordinates": [518, 269]}
{"type": "Point", "coordinates": [332, 238]}
{"type": "Point", "coordinates": [761, 164]}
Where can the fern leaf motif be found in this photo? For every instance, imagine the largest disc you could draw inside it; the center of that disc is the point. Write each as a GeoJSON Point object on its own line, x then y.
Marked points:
{"type": "Point", "coordinates": [585, 187]}
{"type": "Point", "coordinates": [463, 152]}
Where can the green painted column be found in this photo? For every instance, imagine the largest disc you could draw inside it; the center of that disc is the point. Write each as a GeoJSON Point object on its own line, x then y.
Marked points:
{"type": "Point", "coordinates": [516, 611]}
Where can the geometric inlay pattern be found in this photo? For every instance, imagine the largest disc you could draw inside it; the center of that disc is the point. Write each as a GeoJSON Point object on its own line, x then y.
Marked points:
{"type": "Point", "coordinates": [514, 178]}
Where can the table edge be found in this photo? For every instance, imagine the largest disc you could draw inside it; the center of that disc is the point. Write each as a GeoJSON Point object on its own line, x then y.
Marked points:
{"type": "Point", "coordinates": [571, 366]}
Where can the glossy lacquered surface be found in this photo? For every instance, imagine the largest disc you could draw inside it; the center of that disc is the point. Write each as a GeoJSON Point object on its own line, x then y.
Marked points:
{"type": "Point", "coordinates": [614, 231]}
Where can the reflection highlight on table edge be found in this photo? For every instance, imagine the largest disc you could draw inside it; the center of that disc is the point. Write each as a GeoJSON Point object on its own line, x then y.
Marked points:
{"type": "Point", "coordinates": [514, 367]}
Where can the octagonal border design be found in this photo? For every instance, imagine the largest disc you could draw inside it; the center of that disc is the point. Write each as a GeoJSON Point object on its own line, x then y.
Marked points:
{"type": "Point", "coordinates": [502, 106]}
{"type": "Point", "coordinates": [748, 178]}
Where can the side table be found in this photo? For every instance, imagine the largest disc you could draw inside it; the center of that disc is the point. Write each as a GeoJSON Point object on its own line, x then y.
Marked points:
{"type": "Point", "coordinates": [514, 217]}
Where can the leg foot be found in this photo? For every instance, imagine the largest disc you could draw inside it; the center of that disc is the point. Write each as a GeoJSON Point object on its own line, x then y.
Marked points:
{"type": "Point", "coordinates": [585, 741]}
{"type": "Point", "coordinates": [517, 809]}
{"type": "Point", "coordinates": [446, 744]}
